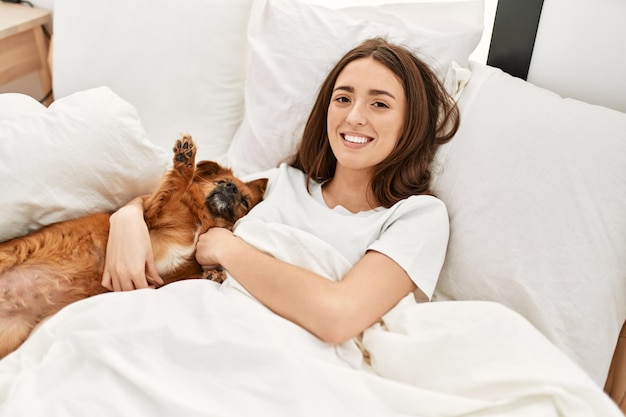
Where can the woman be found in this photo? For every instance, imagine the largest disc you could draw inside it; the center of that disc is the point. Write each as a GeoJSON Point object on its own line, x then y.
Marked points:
{"type": "Point", "coordinates": [360, 180]}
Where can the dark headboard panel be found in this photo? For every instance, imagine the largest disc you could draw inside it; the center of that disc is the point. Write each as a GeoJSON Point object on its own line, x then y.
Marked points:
{"type": "Point", "coordinates": [513, 37]}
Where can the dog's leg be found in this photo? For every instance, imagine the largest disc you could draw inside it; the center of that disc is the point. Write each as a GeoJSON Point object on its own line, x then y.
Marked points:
{"type": "Point", "coordinates": [14, 328]}
{"type": "Point", "coordinates": [14, 332]}
{"type": "Point", "coordinates": [215, 274]}
{"type": "Point", "coordinates": [184, 160]}
{"type": "Point", "coordinates": [177, 180]}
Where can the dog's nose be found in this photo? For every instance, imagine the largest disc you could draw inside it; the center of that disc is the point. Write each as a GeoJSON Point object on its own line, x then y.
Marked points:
{"type": "Point", "coordinates": [232, 188]}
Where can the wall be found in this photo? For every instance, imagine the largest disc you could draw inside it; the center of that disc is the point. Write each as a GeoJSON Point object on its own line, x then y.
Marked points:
{"type": "Point", "coordinates": [579, 40]}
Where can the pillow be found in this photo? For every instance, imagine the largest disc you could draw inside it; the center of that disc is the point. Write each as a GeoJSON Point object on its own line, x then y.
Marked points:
{"type": "Point", "coordinates": [535, 187]}
{"type": "Point", "coordinates": [12, 104]}
{"type": "Point", "coordinates": [87, 152]}
{"type": "Point", "coordinates": [181, 63]}
{"type": "Point", "coordinates": [294, 45]}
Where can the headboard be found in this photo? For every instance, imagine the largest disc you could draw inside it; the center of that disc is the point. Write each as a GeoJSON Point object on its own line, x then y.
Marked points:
{"type": "Point", "coordinates": [572, 47]}
{"type": "Point", "coordinates": [513, 36]}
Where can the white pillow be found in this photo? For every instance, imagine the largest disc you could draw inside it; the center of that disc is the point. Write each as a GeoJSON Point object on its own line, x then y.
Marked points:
{"type": "Point", "coordinates": [181, 63]}
{"type": "Point", "coordinates": [535, 186]}
{"type": "Point", "coordinates": [87, 152]}
{"type": "Point", "coordinates": [12, 104]}
{"type": "Point", "coordinates": [294, 45]}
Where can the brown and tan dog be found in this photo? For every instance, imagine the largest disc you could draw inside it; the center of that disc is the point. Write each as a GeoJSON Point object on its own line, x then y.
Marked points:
{"type": "Point", "coordinates": [62, 263]}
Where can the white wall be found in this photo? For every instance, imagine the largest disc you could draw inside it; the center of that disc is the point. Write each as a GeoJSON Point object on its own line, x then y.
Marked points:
{"type": "Point", "coordinates": [578, 41]}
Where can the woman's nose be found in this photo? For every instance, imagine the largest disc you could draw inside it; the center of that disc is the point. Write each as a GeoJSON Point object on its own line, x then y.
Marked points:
{"type": "Point", "coordinates": [356, 116]}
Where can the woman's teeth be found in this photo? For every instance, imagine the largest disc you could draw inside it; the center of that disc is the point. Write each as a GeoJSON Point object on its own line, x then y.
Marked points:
{"type": "Point", "coordinates": [355, 139]}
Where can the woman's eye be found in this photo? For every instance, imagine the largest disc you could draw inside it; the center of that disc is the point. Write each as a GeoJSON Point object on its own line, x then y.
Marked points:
{"type": "Point", "coordinates": [381, 105]}
{"type": "Point", "coordinates": [342, 99]}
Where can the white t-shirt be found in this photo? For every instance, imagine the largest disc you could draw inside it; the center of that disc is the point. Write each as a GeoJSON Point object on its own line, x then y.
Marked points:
{"type": "Point", "coordinates": [414, 232]}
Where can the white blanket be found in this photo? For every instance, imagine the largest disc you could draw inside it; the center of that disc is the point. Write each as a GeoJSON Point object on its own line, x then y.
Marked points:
{"type": "Point", "coordinates": [196, 348]}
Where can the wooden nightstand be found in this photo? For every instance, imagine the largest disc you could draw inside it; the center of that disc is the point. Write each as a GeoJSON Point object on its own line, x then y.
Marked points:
{"type": "Point", "coordinates": [23, 44]}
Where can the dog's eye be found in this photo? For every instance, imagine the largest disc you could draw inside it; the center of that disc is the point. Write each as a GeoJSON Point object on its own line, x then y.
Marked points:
{"type": "Point", "coordinates": [244, 202]}
{"type": "Point", "coordinates": [220, 182]}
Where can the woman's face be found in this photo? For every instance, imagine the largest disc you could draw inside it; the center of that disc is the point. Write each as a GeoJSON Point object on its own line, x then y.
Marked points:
{"type": "Point", "coordinates": [366, 114]}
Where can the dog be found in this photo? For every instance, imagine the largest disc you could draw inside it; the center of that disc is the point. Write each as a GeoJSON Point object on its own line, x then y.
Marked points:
{"type": "Point", "coordinates": [62, 263]}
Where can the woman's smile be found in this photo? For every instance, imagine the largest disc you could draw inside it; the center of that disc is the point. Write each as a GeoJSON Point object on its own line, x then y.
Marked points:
{"type": "Point", "coordinates": [356, 139]}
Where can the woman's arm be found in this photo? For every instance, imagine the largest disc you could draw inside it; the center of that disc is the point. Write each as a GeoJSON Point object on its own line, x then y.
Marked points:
{"type": "Point", "coordinates": [129, 262]}
{"type": "Point", "coordinates": [333, 311]}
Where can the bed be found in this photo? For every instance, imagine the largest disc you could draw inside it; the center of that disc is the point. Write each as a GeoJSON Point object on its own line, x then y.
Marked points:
{"type": "Point", "coordinates": [531, 300]}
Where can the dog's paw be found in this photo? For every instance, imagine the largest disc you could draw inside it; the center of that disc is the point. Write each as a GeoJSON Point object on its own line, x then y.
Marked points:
{"type": "Point", "coordinates": [184, 151]}
{"type": "Point", "coordinates": [218, 275]}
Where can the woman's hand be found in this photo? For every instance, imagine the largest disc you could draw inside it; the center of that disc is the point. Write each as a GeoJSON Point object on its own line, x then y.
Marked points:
{"type": "Point", "coordinates": [129, 262]}
{"type": "Point", "coordinates": [212, 245]}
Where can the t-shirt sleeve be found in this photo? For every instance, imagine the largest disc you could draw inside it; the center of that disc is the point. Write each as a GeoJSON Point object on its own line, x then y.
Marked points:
{"type": "Point", "coordinates": [416, 237]}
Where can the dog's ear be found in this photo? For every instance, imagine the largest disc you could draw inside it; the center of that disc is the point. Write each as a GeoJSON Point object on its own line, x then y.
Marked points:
{"type": "Point", "coordinates": [210, 169]}
{"type": "Point", "coordinates": [258, 186]}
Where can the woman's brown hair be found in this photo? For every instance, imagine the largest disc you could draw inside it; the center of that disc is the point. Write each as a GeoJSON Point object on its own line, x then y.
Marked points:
{"type": "Point", "coordinates": [432, 119]}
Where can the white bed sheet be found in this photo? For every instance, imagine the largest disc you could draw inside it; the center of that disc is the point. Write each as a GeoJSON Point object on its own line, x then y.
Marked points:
{"type": "Point", "coordinates": [196, 348]}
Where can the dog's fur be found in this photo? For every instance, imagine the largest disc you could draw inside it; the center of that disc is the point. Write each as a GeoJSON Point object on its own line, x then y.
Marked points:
{"type": "Point", "coordinates": [62, 263]}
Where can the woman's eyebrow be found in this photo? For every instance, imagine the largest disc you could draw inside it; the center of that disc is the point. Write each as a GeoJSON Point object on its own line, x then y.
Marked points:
{"type": "Point", "coordinates": [344, 88]}
{"type": "Point", "coordinates": [375, 92]}
{"type": "Point", "coordinates": [372, 92]}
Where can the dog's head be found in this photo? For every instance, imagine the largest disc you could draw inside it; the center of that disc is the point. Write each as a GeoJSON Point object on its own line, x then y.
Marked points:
{"type": "Point", "coordinates": [226, 196]}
